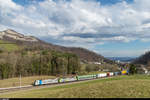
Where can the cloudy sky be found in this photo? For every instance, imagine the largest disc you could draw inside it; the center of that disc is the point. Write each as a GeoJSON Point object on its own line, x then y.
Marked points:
{"type": "Point", "coordinates": [108, 27]}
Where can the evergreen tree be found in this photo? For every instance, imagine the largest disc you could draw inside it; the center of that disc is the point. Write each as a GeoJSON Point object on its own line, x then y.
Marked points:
{"type": "Point", "coordinates": [132, 69]}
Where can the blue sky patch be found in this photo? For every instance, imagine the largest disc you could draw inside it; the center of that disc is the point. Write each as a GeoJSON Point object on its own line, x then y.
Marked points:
{"type": "Point", "coordinates": [114, 28]}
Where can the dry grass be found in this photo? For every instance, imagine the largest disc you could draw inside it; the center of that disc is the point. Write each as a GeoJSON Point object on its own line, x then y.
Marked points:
{"type": "Point", "coordinates": [13, 82]}
{"type": "Point", "coordinates": [119, 87]}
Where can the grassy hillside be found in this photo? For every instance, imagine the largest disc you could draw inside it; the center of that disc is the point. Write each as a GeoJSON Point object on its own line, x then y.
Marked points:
{"type": "Point", "coordinates": [8, 47]}
{"type": "Point", "coordinates": [118, 87]}
{"type": "Point", "coordinates": [84, 54]}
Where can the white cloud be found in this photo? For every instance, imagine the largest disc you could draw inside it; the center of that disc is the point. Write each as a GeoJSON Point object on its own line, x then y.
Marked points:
{"type": "Point", "coordinates": [8, 4]}
{"type": "Point", "coordinates": [121, 22]}
{"type": "Point", "coordinates": [118, 38]}
{"type": "Point", "coordinates": [78, 39]}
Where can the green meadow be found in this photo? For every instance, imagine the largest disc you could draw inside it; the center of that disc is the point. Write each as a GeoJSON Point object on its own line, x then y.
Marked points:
{"type": "Point", "coordinates": [8, 47]}
{"type": "Point", "coordinates": [117, 87]}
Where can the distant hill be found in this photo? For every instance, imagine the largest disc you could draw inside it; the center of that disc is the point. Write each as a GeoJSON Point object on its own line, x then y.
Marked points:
{"type": "Point", "coordinates": [35, 43]}
{"type": "Point", "coordinates": [122, 59]}
{"type": "Point", "coordinates": [143, 59]}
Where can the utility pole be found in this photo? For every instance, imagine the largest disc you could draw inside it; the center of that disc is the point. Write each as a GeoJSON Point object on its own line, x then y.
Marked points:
{"type": "Point", "coordinates": [20, 80]}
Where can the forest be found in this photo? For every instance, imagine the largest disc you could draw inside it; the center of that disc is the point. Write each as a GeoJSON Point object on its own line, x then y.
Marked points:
{"type": "Point", "coordinates": [37, 62]}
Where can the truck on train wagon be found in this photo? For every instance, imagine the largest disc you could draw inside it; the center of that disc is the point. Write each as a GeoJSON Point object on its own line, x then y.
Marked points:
{"type": "Point", "coordinates": [124, 72]}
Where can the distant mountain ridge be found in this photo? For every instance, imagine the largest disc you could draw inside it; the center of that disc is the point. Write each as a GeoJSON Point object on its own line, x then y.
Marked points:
{"type": "Point", "coordinates": [122, 59]}
{"type": "Point", "coordinates": [83, 54]}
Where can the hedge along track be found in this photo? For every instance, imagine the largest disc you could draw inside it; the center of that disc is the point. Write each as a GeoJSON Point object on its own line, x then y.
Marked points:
{"type": "Point", "coordinates": [30, 87]}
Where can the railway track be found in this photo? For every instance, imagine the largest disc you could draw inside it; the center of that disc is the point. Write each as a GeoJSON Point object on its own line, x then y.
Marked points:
{"type": "Point", "coordinates": [30, 87]}
{"type": "Point", "coordinates": [3, 90]}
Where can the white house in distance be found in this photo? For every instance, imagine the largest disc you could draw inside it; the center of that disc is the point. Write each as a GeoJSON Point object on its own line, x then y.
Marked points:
{"type": "Point", "coordinates": [98, 63]}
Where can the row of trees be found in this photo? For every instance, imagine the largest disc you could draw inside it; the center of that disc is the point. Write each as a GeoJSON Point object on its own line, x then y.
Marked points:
{"type": "Point", "coordinates": [43, 62]}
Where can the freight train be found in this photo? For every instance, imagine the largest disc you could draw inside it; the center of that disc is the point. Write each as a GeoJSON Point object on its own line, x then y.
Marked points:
{"type": "Point", "coordinates": [79, 78]}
